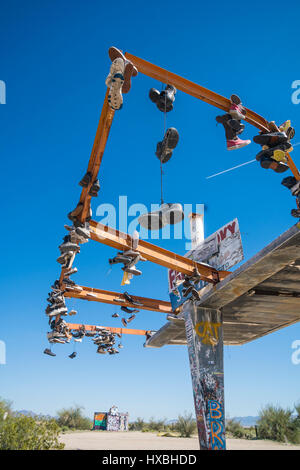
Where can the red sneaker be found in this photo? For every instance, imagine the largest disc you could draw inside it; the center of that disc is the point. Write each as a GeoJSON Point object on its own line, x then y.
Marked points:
{"type": "Point", "coordinates": [237, 143]}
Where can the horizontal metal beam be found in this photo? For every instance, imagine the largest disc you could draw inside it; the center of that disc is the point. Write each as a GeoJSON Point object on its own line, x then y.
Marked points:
{"type": "Point", "coordinates": [122, 241]}
{"type": "Point", "coordinates": [203, 94]}
{"type": "Point", "coordinates": [193, 89]}
{"type": "Point", "coordinates": [121, 331]}
{"type": "Point", "coordinates": [115, 298]}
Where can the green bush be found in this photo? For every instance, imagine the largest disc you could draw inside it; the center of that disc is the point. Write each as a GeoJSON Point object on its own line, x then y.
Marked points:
{"type": "Point", "coordinates": [137, 425]}
{"type": "Point", "coordinates": [20, 432]}
{"type": "Point", "coordinates": [72, 418]}
{"type": "Point", "coordinates": [186, 425]}
{"type": "Point", "coordinates": [235, 429]}
{"type": "Point", "coordinates": [278, 424]}
{"type": "Point", "coordinates": [157, 425]}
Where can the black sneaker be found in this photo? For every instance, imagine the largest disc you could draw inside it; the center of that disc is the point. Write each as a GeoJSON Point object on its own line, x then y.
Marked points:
{"type": "Point", "coordinates": [295, 213]}
{"type": "Point", "coordinates": [74, 354]}
{"type": "Point", "coordinates": [289, 182]}
{"type": "Point", "coordinates": [49, 352]}
{"type": "Point", "coordinates": [85, 180]}
{"type": "Point", "coordinates": [164, 149]}
{"type": "Point", "coordinates": [94, 188]}
{"type": "Point", "coordinates": [128, 310]}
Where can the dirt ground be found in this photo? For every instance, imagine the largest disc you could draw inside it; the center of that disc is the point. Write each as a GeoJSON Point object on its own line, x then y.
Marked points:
{"type": "Point", "coordinates": [104, 440]}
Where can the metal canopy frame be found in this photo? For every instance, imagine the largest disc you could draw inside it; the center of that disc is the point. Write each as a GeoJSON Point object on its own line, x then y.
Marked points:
{"type": "Point", "coordinates": [121, 241]}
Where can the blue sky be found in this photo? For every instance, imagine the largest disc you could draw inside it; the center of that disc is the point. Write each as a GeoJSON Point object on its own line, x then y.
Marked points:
{"type": "Point", "coordinates": [54, 62]}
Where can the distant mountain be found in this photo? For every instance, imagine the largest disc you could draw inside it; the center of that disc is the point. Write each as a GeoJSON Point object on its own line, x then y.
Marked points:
{"type": "Point", "coordinates": [246, 421]}
{"type": "Point", "coordinates": [26, 413]}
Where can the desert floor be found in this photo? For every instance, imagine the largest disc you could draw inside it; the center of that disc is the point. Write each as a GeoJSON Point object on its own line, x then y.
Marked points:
{"type": "Point", "coordinates": [104, 440]}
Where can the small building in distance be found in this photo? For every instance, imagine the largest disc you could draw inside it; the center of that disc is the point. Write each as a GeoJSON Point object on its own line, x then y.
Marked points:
{"type": "Point", "coordinates": [112, 420]}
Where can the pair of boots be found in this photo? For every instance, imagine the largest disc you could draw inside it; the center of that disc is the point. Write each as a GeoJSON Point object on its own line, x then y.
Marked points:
{"type": "Point", "coordinates": [164, 100]}
{"type": "Point", "coordinates": [75, 214]}
{"type": "Point", "coordinates": [129, 258]}
{"type": "Point", "coordinates": [86, 181]}
{"type": "Point", "coordinates": [119, 78]}
{"type": "Point", "coordinates": [275, 145]}
{"type": "Point", "coordinates": [167, 214]}
{"type": "Point", "coordinates": [291, 183]}
{"type": "Point", "coordinates": [232, 124]}
{"type": "Point", "coordinates": [164, 149]}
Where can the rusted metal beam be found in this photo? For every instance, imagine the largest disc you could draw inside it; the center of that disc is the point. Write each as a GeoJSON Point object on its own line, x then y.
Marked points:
{"type": "Point", "coordinates": [203, 94]}
{"type": "Point", "coordinates": [193, 89]}
{"type": "Point", "coordinates": [126, 331]}
{"type": "Point", "coordinates": [115, 298]}
{"type": "Point", "coordinates": [122, 241]}
{"type": "Point", "coordinates": [102, 133]}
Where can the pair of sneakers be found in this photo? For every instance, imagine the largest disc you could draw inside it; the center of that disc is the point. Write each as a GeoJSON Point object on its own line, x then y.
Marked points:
{"type": "Point", "coordinates": [86, 181]}
{"type": "Point", "coordinates": [232, 124]}
{"type": "Point", "coordinates": [119, 78]}
{"type": "Point", "coordinates": [167, 214]}
{"type": "Point", "coordinates": [164, 149]}
{"type": "Point", "coordinates": [291, 183]}
{"type": "Point", "coordinates": [164, 100]}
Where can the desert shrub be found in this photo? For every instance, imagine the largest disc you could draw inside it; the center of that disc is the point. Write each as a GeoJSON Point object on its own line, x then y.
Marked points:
{"type": "Point", "coordinates": [156, 425]}
{"type": "Point", "coordinates": [186, 425]}
{"type": "Point", "coordinates": [277, 424]}
{"type": "Point", "coordinates": [137, 425]}
{"type": "Point", "coordinates": [235, 429]}
{"type": "Point", "coordinates": [73, 418]}
{"type": "Point", "coordinates": [20, 432]}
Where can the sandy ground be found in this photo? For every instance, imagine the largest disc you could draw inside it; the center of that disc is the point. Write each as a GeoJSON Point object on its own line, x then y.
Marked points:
{"type": "Point", "coordinates": [104, 440]}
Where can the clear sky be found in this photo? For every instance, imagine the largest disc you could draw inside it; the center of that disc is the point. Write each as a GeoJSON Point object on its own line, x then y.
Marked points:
{"type": "Point", "coordinates": [54, 62]}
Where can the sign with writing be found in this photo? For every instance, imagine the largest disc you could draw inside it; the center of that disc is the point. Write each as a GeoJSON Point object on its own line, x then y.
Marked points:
{"type": "Point", "coordinates": [221, 250]}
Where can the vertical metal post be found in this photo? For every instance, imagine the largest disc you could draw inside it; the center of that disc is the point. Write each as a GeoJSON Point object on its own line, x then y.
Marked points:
{"type": "Point", "coordinates": [204, 333]}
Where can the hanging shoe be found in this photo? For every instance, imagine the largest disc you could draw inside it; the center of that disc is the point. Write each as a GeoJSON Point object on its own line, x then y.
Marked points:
{"type": "Point", "coordinates": [115, 82]}
{"type": "Point", "coordinates": [84, 230]}
{"type": "Point", "coordinates": [287, 129]}
{"type": "Point", "coordinates": [94, 188]}
{"type": "Point", "coordinates": [72, 312]}
{"type": "Point", "coordinates": [237, 111]}
{"type": "Point", "coordinates": [172, 213]}
{"type": "Point", "coordinates": [132, 317]}
{"type": "Point", "coordinates": [74, 214]}
{"type": "Point", "coordinates": [130, 299]}
{"type": "Point", "coordinates": [164, 100]}
{"type": "Point", "coordinates": [237, 143]}
{"type": "Point", "coordinates": [120, 346]}
{"type": "Point", "coordinates": [115, 315]}
{"type": "Point", "coordinates": [132, 270]}
{"type": "Point", "coordinates": [272, 139]}
{"type": "Point", "coordinates": [289, 182]}
{"type": "Point", "coordinates": [129, 71]}
{"type": "Point", "coordinates": [74, 354]}
{"type": "Point", "coordinates": [128, 310]}
{"type": "Point", "coordinates": [101, 350]}
{"type": "Point", "coordinates": [237, 126]}
{"type": "Point", "coordinates": [123, 320]}
{"type": "Point", "coordinates": [295, 213]}
{"type": "Point", "coordinates": [49, 352]}
{"type": "Point", "coordinates": [69, 272]}
{"type": "Point", "coordinates": [119, 258]}
{"type": "Point", "coordinates": [85, 181]}
{"type": "Point", "coordinates": [278, 167]}
{"type": "Point", "coordinates": [164, 149]}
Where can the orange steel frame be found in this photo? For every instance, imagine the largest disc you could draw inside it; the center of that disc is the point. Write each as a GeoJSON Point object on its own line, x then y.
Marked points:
{"type": "Point", "coordinates": [122, 241]}
{"type": "Point", "coordinates": [121, 331]}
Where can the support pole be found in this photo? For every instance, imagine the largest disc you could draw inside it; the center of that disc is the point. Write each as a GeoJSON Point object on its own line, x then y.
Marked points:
{"type": "Point", "coordinates": [204, 333]}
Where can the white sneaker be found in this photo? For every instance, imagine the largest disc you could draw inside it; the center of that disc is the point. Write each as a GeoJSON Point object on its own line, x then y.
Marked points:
{"type": "Point", "coordinates": [167, 214]}
{"type": "Point", "coordinates": [115, 82]}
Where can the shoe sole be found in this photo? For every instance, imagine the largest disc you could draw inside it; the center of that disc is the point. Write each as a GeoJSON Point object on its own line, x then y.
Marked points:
{"type": "Point", "coordinates": [151, 221]}
{"type": "Point", "coordinates": [115, 98]}
{"type": "Point", "coordinates": [239, 146]}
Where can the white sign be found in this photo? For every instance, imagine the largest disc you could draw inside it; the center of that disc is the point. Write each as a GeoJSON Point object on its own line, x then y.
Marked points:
{"type": "Point", "coordinates": [221, 250]}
